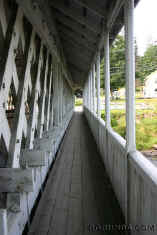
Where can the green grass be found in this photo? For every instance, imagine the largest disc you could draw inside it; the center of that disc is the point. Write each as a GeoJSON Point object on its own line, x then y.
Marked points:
{"type": "Point", "coordinates": [146, 124]}
{"type": "Point", "coordinates": [78, 101]}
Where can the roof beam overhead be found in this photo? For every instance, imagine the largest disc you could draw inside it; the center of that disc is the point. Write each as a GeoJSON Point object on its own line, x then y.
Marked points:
{"type": "Point", "coordinates": [64, 31]}
{"type": "Point", "coordinates": [39, 18]}
{"type": "Point", "coordinates": [77, 34]}
{"type": "Point", "coordinates": [114, 13]}
{"type": "Point", "coordinates": [92, 23]}
{"type": "Point", "coordinates": [78, 67]}
{"type": "Point", "coordinates": [78, 48]}
{"type": "Point", "coordinates": [94, 7]}
{"type": "Point", "coordinates": [80, 28]}
{"type": "Point", "coordinates": [78, 63]}
{"type": "Point", "coordinates": [79, 55]}
{"type": "Point", "coordinates": [77, 43]}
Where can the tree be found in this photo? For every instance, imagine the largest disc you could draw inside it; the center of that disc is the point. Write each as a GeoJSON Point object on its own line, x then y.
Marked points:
{"type": "Point", "coordinates": [147, 63]}
{"type": "Point", "coordinates": [117, 64]}
{"type": "Point", "coordinates": [144, 64]}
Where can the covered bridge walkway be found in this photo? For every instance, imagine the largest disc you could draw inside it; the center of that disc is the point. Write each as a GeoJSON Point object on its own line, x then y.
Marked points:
{"type": "Point", "coordinates": [51, 50]}
{"type": "Point", "coordinates": [78, 197]}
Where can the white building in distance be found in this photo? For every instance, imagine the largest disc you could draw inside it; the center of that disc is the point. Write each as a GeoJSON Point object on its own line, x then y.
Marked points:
{"type": "Point", "coordinates": [150, 88]}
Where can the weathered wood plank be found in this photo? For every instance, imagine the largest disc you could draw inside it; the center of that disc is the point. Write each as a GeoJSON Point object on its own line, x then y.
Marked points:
{"type": "Point", "coordinates": [47, 145]}
{"type": "Point", "coordinates": [16, 180]}
{"type": "Point", "coordinates": [14, 202]}
{"type": "Point", "coordinates": [33, 158]}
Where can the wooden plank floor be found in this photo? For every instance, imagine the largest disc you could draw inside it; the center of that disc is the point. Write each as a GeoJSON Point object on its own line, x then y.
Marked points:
{"type": "Point", "coordinates": [78, 194]}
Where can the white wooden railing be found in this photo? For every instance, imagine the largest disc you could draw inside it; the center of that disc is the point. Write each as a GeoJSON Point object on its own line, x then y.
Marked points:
{"type": "Point", "coordinates": [134, 178]}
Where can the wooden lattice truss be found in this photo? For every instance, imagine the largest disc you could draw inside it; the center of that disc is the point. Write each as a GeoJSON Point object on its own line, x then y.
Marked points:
{"type": "Point", "coordinates": [36, 103]}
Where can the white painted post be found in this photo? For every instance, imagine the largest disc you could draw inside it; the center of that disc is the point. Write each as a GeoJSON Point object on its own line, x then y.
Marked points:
{"type": "Point", "coordinates": [3, 222]}
{"type": "Point", "coordinates": [94, 89]}
{"type": "Point", "coordinates": [89, 92]}
{"type": "Point", "coordinates": [130, 93]}
{"type": "Point", "coordinates": [130, 76]}
{"type": "Point", "coordinates": [86, 94]}
{"type": "Point", "coordinates": [90, 103]}
{"type": "Point", "coordinates": [107, 80]}
{"type": "Point", "coordinates": [98, 86]}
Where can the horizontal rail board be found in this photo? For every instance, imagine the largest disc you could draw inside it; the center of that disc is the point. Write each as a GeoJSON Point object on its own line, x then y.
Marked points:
{"type": "Point", "coordinates": [33, 158]}
{"type": "Point", "coordinates": [16, 180]}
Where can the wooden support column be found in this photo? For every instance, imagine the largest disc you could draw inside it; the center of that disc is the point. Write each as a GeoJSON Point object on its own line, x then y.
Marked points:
{"type": "Point", "coordinates": [90, 96]}
{"type": "Point", "coordinates": [91, 89]}
{"type": "Point", "coordinates": [93, 75]}
{"type": "Point", "coordinates": [48, 101]}
{"type": "Point", "coordinates": [61, 95]}
{"type": "Point", "coordinates": [42, 104]}
{"type": "Point", "coordinates": [88, 93]}
{"type": "Point", "coordinates": [33, 116]}
{"type": "Point", "coordinates": [20, 121]}
{"type": "Point", "coordinates": [130, 76]}
{"type": "Point", "coordinates": [98, 86]}
{"type": "Point", "coordinates": [52, 95]}
{"type": "Point", "coordinates": [107, 80]}
{"type": "Point", "coordinates": [3, 222]}
{"type": "Point", "coordinates": [56, 95]}
{"type": "Point", "coordinates": [85, 95]}
{"type": "Point", "coordinates": [130, 93]}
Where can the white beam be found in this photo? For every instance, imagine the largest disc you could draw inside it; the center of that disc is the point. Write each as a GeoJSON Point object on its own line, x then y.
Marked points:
{"type": "Point", "coordinates": [107, 80]}
{"type": "Point", "coordinates": [91, 105]}
{"type": "Point", "coordinates": [130, 76]}
{"type": "Point", "coordinates": [94, 94]}
{"type": "Point", "coordinates": [89, 92]}
{"type": "Point", "coordinates": [3, 222]}
{"type": "Point", "coordinates": [98, 86]}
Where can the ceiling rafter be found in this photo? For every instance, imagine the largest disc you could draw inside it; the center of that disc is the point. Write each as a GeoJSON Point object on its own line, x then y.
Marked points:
{"type": "Point", "coordinates": [74, 25]}
{"type": "Point", "coordinates": [93, 7]}
{"type": "Point", "coordinates": [65, 31]}
{"type": "Point", "coordinates": [76, 33]}
{"type": "Point", "coordinates": [75, 13]}
{"type": "Point", "coordinates": [77, 67]}
{"type": "Point", "coordinates": [78, 48]}
{"type": "Point", "coordinates": [77, 43]}
{"type": "Point", "coordinates": [72, 52]}
{"type": "Point", "coordinates": [81, 41]}
{"type": "Point", "coordinates": [77, 62]}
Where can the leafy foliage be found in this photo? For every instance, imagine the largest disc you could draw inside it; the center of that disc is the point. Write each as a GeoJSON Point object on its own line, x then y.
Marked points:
{"type": "Point", "coordinates": [145, 65]}
{"type": "Point", "coordinates": [117, 64]}
{"type": "Point", "coordinates": [148, 63]}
